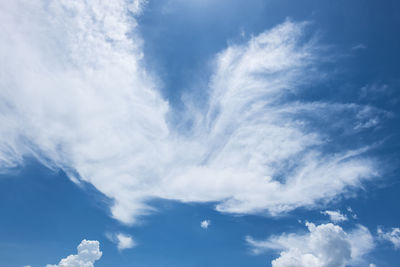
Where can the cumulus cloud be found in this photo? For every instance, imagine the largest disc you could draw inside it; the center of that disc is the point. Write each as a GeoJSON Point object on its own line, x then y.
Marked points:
{"type": "Point", "coordinates": [325, 245]}
{"type": "Point", "coordinates": [205, 224]}
{"type": "Point", "coordinates": [75, 95]}
{"type": "Point", "coordinates": [123, 241]}
{"type": "Point", "coordinates": [88, 253]}
{"type": "Point", "coordinates": [335, 216]}
{"type": "Point", "coordinates": [392, 236]}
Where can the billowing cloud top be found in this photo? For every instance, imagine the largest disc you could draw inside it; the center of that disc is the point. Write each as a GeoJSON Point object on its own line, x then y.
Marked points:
{"type": "Point", "coordinates": [88, 253]}
{"type": "Point", "coordinates": [326, 245]}
{"type": "Point", "coordinates": [75, 95]}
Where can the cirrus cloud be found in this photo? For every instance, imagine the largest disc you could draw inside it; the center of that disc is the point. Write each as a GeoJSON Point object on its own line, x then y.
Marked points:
{"type": "Point", "coordinates": [76, 96]}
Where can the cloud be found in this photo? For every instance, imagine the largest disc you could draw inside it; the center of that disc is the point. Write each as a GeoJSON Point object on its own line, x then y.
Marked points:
{"type": "Point", "coordinates": [123, 241]}
{"type": "Point", "coordinates": [76, 96]}
{"type": "Point", "coordinates": [136, 6]}
{"type": "Point", "coordinates": [326, 245]}
{"type": "Point", "coordinates": [335, 216]}
{"type": "Point", "coordinates": [392, 236]}
{"type": "Point", "coordinates": [205, 224]}
{"type": "Point", "coordinates": [88, 253]}
{"type": "Point", "coordinates": [352, 213]}
{"type": "Point", "coordinates": [359, 47]}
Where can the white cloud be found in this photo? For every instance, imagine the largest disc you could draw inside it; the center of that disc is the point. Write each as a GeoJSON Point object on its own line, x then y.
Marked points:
{"type": "Point", "coordinates": [205, 224]}
{"type": "Point", "coordinates": [335, 216]}
{"type": "Point", "coordinates": [88, 253]}
{"type": "Point", "coordinates": [326, 245]}
{"type": "Point", "coordinates": [76, 96]}
{"type": "Point", "coordinates": [136, 6]}
{"type": "Point", "coordinates": [392, 236]}
{"type": "Point", "coordinates": [123, 241]}
{"type": "Point", "coordinates": [352, 213]}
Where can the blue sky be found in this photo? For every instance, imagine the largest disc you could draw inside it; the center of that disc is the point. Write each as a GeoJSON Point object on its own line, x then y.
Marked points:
{"type": "Point", "coordinates": [127, 125]}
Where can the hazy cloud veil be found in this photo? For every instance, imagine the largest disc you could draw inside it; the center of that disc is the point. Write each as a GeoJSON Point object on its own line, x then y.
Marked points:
{"type": "Point", "coordinates": [75, 95]}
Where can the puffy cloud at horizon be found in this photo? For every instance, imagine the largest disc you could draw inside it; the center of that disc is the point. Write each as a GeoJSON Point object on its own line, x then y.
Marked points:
{"type": "Point", "coordinates": [76, 96]}
{"type": "Point", "coordinates": [88, 253]}
{"type": "Point", "coordinates": [326, 245]}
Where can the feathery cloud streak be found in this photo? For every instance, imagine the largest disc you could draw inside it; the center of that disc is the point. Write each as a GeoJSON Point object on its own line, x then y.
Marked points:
{"type": "Point", "coordinates": [76, 96]}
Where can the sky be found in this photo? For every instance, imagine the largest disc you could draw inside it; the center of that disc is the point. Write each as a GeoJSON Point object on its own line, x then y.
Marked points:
{"type": "Point", "coordinates": [199, 133]}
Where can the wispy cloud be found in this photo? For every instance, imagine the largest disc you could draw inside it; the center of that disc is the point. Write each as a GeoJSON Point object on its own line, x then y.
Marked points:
{"type": "Point", "coordinates": [324, 245]}
{"type": "Point", "coordinates": [335, 215]}
{"type": "Point", "coordinates": [76, 96]}
{"type": "Point", "coordinates": [123, 241]}
{"type": "Point", "coordinates": [359, 47]}
{"type": "Point", "coordinates": [88, 253]}
{"type": "Point", "coordinates": [352, 213]}
{"type": "Point", "coordinates": [392, 236]}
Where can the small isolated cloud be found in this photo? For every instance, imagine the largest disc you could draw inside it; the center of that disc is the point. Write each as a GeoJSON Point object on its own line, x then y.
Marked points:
{"type": "Point", "coordinates": [123, 241]}
{"type": "Point", "coordinates": [335, 216]}
{"type": "Point", "coordinates": [352, 213]}
{"type": "Point", "coordinates": [392, 236]}
{"type": "Point", "coordinates": [325, 245]}
{"type": "Point", "coordinates": [205, 224]}
{"type": "Point", "coordinates": [88, 253]}
{"type": "Point", "coordinates": [359, 47]}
